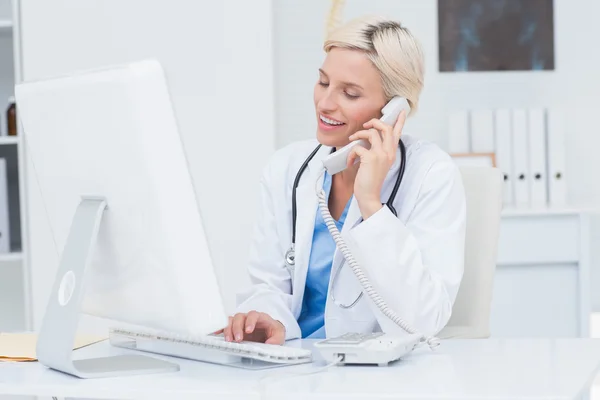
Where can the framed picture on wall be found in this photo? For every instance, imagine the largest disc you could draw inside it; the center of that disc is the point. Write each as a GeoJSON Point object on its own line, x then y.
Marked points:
{"type": "Point", "coordinates": [496, 35]}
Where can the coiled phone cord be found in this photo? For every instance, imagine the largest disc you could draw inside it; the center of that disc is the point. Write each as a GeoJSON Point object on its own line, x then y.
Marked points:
{"type": "Point", "coordinates": [360, 275]}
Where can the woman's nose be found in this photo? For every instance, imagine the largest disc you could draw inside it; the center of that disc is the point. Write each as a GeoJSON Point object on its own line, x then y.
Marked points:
{"type": "Point", "coordinates": [327, 103]}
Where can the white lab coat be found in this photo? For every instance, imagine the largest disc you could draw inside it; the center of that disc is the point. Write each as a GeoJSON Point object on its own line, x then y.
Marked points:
{"type": "Point", "coordinates": [415, 261]}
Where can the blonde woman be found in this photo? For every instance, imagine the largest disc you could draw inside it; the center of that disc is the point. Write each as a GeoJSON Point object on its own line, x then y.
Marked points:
{"type": "Point", "coordinates": [411, 248]}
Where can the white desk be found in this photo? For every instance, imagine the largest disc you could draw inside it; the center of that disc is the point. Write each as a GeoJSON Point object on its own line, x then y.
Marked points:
{"type": "Point", "coordinates": [459, 369]}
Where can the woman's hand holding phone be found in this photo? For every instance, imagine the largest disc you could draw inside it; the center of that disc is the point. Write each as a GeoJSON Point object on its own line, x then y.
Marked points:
{"type": "Point", "coordinates": [375, 162]}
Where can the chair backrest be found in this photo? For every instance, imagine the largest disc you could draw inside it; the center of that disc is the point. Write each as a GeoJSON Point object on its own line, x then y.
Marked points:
{"type": "Point", "coordinates": [471, 311]}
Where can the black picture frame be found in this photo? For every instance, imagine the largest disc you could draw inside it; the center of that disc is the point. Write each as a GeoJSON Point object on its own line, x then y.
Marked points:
{"type": "Point", "coordinates": [496, 35]}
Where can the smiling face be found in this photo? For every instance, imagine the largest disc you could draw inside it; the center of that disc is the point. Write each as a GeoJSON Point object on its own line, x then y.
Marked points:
{"type": "Point", "coordinates": [348, 94]}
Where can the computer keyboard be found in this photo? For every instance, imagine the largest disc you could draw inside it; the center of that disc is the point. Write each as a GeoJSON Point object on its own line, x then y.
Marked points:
{"type": "Point", "coordinates": [210, 348]}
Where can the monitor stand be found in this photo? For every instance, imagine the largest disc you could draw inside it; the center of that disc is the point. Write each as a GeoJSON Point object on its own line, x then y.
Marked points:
{"type": "Point", "coordinates": [57, 335]}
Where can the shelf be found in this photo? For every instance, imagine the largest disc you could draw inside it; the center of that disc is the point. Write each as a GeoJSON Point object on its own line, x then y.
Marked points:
{"type": "Point", "coordinates": [5, 25]}
{"type": "Point", "coordinates": [9, 140]}
{"type": "Point", "coordinates": [11, 257]}
{"type": "Point", "coordinates": [545, 211]}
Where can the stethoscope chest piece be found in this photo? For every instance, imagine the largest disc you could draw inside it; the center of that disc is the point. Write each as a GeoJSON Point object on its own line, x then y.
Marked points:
{"type": "Point", "coordinates": [290, 258]}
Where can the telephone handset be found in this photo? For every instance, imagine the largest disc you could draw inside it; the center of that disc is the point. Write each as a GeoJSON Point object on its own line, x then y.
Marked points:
{"type": "Point", "coordinates": [337, 161]}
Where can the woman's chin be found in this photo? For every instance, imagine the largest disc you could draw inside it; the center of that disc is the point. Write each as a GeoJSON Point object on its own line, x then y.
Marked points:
{"type": "Point", "coordinates": [327, 139]}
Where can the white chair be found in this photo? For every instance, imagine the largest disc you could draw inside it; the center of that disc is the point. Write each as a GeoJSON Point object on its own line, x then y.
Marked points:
{"type": "Point", "coordinates": [471, 311]}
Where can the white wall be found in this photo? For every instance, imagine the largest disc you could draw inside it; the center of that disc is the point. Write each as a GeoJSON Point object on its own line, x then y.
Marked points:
{"type": "Point", "coordinates": [5, 9]}
{"type": "Point", "coordinates": [218, 59]}
{"type": "Point", "coordinates": [573, 87]}
{"type": "Point", "coordinates": [6, 64]}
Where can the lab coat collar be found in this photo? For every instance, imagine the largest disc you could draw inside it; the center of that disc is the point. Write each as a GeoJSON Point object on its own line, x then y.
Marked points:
{"type": "Point", "coordinates": [306, 202]}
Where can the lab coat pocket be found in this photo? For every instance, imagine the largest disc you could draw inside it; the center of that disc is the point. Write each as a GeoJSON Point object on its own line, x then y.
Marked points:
{"type": "Point", "coordinates": [345, 288]}
{"type": "Point", "coordinates": [346, 291]}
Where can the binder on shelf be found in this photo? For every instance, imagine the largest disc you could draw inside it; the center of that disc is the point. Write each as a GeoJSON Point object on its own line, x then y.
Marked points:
{"type": "Point", "coordinates": [521, 158]}
{"type": "Point", "coordinates": [504, 153]}
{"type": "Point", "coordinates": [537, 157]}
{"type": "Point", "coordinates": [4, 223]}
{"type": "Point", "coordinates": [482, 131]}
{"type": "Point", "coordinates": [458, 129]}
{"type": "Point", "coordinates": [557, 183]}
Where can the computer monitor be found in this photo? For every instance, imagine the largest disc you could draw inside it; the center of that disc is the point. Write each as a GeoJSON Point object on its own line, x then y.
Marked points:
{"type": "Point", "coordinates": [122, 208]}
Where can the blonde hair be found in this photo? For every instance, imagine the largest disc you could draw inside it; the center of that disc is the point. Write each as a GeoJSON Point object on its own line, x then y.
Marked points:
{"type": "Point", "coordinates": [392, 49]}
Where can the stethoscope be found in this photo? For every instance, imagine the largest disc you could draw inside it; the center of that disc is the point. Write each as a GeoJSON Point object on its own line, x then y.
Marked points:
{"type": "Point", "coordinates": [290, 254]}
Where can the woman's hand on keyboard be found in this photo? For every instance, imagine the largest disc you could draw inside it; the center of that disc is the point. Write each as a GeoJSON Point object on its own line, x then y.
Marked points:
{"type": "Point", "coordinates": [255, 327]}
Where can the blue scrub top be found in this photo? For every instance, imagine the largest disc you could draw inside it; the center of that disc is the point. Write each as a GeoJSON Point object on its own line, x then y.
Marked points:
{"type": "Point", "coordinates": [312, 316]}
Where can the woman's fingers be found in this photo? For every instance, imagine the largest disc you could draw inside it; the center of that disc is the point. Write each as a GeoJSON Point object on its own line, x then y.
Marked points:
{"type": "Point", "coordinates": [251, 321]}
{"type": "Point", "coordinates": [357, 151]}
{"type": "Point", "coordinates": [227, 331]}
{"type": "Point", "coordinates": [371, 135]}
{"type": "Point", "coordinates": [387, 137]}
{"type": "Point", "coordinates": [398, 126]}
{"type": "Point", "coordinates": [390, 135]}
{"type": "Point", "coordinates": [276, 334]}
{"type": "Point", "coordinates": [254, 326]}
{"type": "Point", "coordinates": [379, 125]}
{"type": "Point", "coordinates": [278, 337]}
{"type": "Point", "coordinates": [237, 327]}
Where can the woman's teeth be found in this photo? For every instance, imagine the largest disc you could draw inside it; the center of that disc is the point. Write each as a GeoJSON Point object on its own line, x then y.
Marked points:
{"type": "Point", "coordinates": [330, 121]}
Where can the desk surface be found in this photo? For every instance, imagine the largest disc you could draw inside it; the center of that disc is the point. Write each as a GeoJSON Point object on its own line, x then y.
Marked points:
{"type": "Point", "coordinates": [458, 369]}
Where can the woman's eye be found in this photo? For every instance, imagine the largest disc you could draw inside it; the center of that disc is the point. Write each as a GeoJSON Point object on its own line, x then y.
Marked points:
{"type": "Point", "coordinates": [351, 96]}
{"type": "Point", "coordinates": [324, 84]}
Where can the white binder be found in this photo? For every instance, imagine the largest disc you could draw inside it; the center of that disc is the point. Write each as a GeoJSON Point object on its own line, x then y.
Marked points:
{"type": "Point", "coordinates": [537, 157]}
{"type": "Point", "coordinates": [557, 184]}
{"type": "Point", "coordinates": [521, 158]}
{"type": "Point", "coordinates": [4, 223]}
{"type": "Point", "coordinates": [504, 153]}
{"type": "Point", "coordinates": [458, 130]}
{"type": "Point", "coordinates": [482, 131]}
